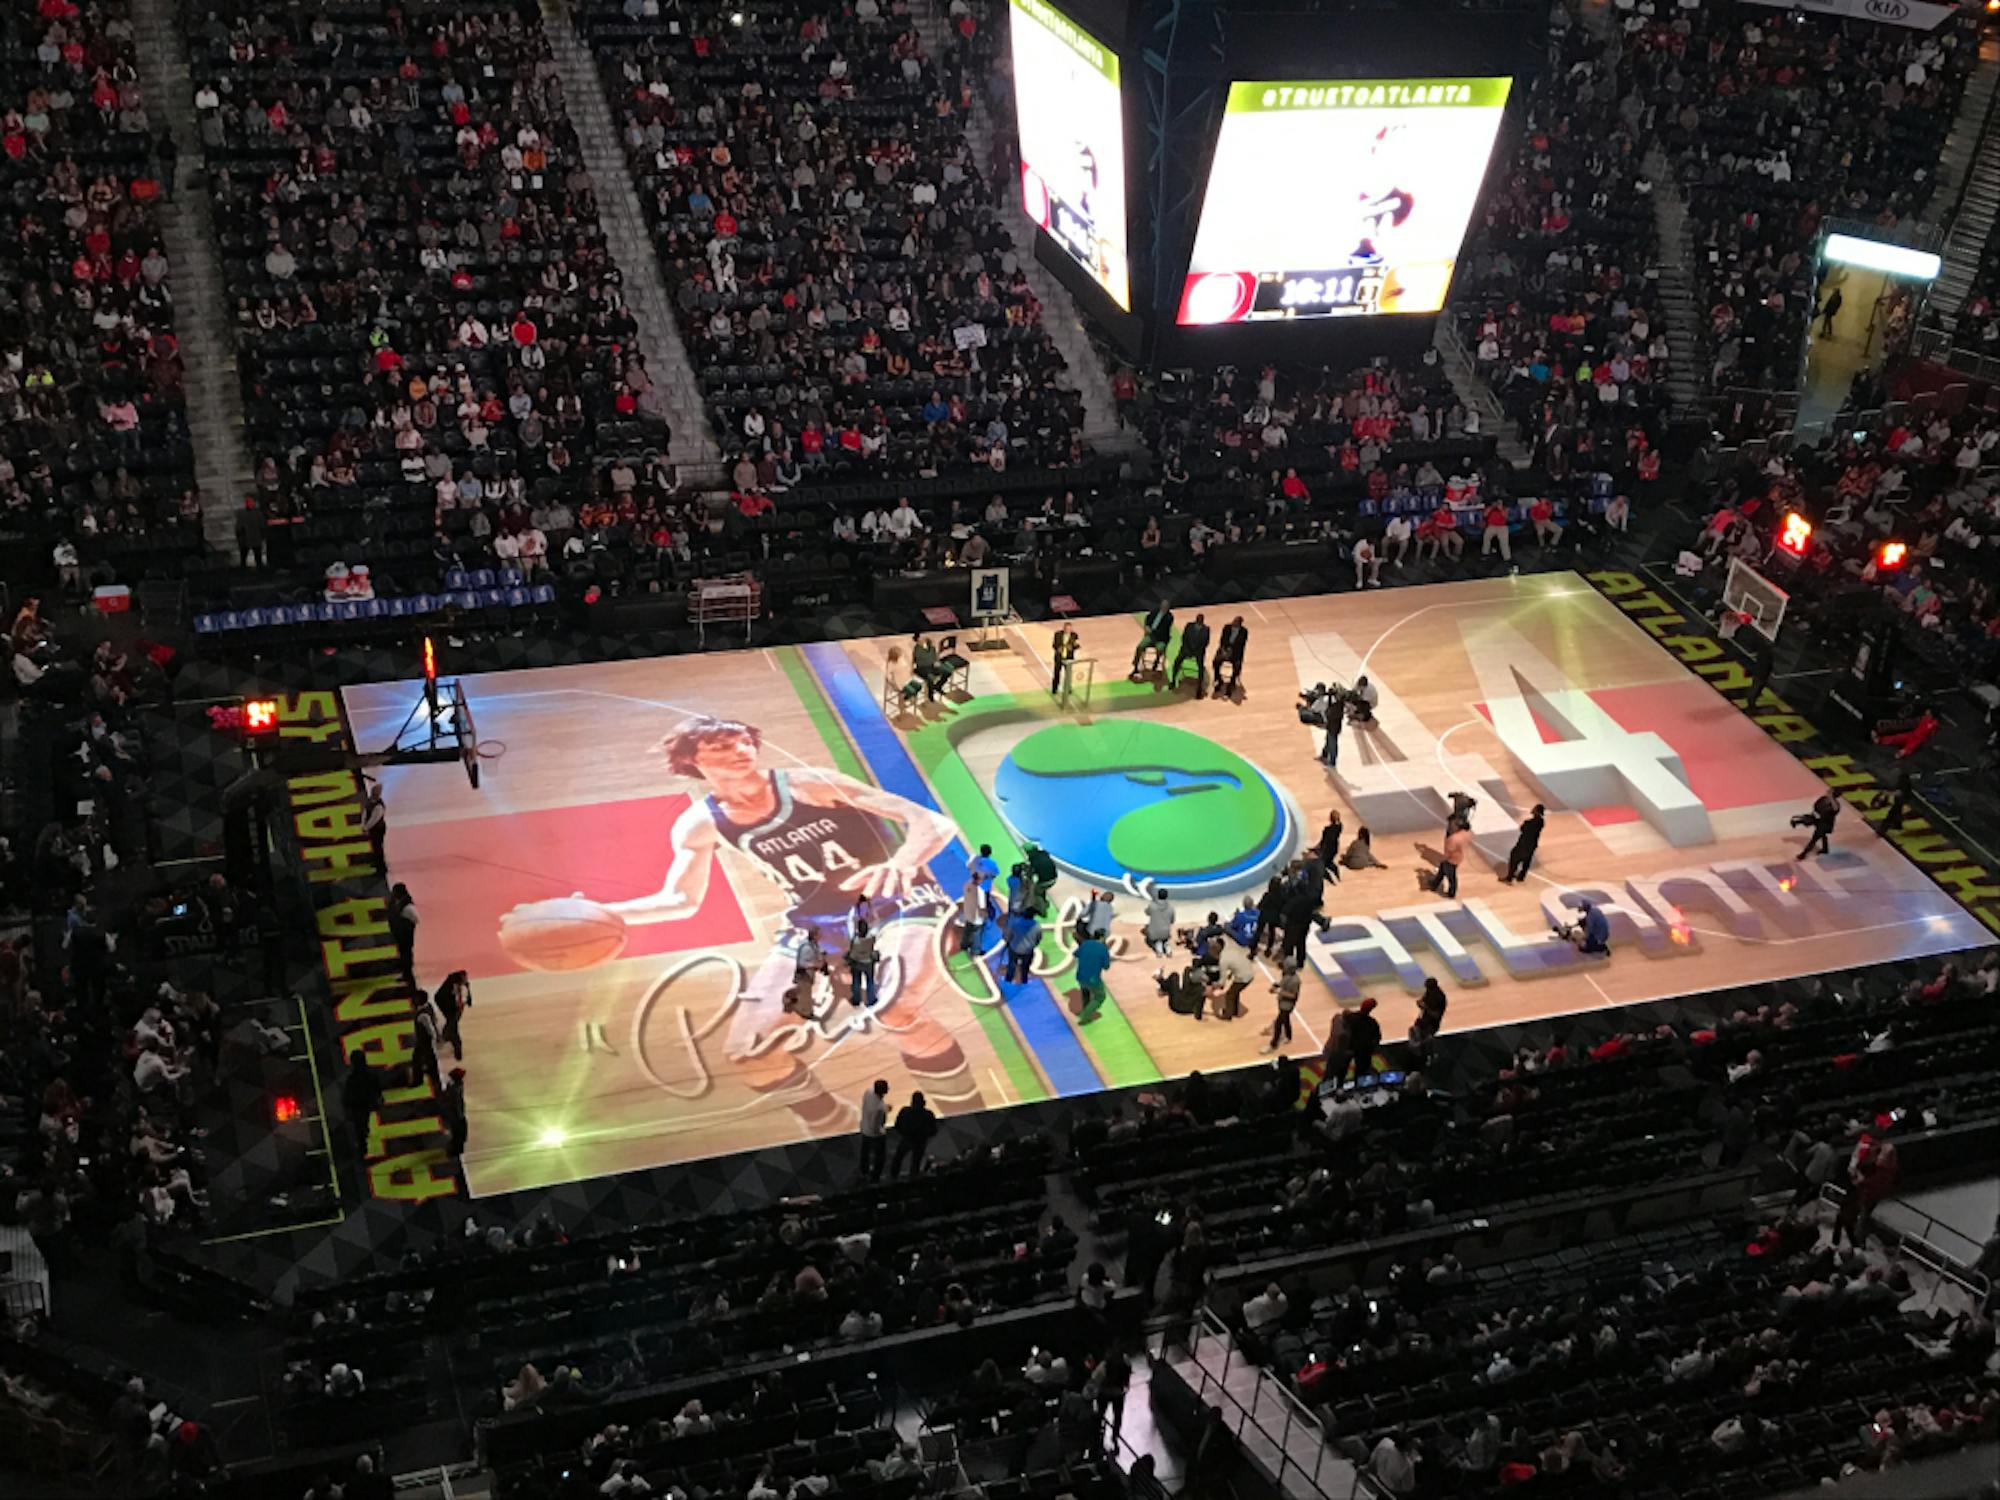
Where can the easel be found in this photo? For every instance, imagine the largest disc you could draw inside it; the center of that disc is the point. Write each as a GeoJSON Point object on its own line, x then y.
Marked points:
{"type": "Point", "coordinates": [739, 597]}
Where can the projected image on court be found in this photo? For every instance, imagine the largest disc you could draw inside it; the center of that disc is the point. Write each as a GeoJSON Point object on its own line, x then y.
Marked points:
{"type": "Point", "coordinates": [1343, 199]}
{"type": "Point", "coordinates": [1072, 142]}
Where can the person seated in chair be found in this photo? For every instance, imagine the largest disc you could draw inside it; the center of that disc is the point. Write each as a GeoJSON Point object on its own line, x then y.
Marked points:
{"type": "Point", "coordinates": [1157, 632]}
{"type": "Point", "coordinates": [924, 662]}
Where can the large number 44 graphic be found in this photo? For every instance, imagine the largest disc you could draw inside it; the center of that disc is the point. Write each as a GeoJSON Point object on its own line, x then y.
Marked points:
{"type": "Point", "coordinates": [1594, 761]}
{"type": "Point", "coordinates": [1399, 775]}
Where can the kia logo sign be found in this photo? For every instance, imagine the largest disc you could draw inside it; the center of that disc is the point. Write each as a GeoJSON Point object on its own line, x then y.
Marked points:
{"type": "Point", "coordinates": [1888, 10]}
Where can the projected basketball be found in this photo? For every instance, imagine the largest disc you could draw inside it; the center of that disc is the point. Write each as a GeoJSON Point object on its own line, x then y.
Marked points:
{"type": "Point", "coordinates": [566, 933]}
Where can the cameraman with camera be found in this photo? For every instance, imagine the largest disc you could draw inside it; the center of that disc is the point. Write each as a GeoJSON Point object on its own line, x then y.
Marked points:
{"type": "Point", "coordinates": [1590, 932]}
{"type": "Point", "coordinates": [1325, 707]}
{"type": "Point", "coordinates": [1825, 812]}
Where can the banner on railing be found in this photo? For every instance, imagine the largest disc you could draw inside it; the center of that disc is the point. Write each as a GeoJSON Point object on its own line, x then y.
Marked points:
{"type": "Point", "coordinates": [1917, 15]}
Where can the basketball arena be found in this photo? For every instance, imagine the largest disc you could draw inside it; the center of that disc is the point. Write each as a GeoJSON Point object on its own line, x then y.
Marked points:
{"type": "Point", "coordinates": [630, 943]}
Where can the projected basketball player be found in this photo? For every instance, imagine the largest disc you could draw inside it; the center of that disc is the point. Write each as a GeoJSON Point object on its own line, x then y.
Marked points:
{"type": "Point", "coordinates": [1381, 206]}
{"type": "Point", "coordinates": [824, 839]}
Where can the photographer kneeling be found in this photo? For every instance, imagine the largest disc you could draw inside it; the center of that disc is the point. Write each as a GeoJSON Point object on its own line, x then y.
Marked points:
{"type": "Point", "coordinates": [1590, 932]}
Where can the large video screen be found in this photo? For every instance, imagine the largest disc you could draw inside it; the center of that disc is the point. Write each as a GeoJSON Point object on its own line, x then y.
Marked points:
{"type": "Point", "coordinates": [1072, 126]}
{"type": "Point", "coordinates": [1344, 199]}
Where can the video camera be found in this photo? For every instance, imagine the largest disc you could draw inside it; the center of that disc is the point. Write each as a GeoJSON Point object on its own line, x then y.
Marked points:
{"type": "Point", "coordinates": [1319, 703]}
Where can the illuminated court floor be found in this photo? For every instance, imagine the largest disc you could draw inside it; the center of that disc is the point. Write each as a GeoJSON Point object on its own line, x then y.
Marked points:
{"type": "Point", "coordinates": [1664, 802]}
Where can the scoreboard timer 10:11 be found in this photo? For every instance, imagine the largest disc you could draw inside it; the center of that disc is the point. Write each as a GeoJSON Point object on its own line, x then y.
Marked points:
{"type": "Point", "coordinates": [1319, 294]}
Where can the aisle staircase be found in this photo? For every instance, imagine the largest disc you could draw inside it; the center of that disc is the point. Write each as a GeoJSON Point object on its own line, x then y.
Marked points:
{"type": "Point", "coordinates": [202, 318]}
{"type": "Point", "coordinates": [1474, 394]}
{"type": "Point", "coordinates": [1061, 316]}
{"type": "Point", "coordinates": [692, 448]}
{"type": "Point", "coordinates": [1277, 1434]}
{"type": "Point", "coordinates": [1678, 305]}
{"type": "Point", "coordinates": [1971, 164]}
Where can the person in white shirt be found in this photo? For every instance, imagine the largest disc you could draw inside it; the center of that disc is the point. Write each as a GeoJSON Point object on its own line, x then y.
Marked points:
{"type": "Point", "coordinates": [903, 522]}
{"type": "Point", "coordinates": [68, 568]}
{"type": "Point", "coordinates": [1392, 1467]}
{"type": "Point", "coordinates": [534, 551]}
{"type": "Point", "coordinates": [1045, 1368]}
{"type": "Point", "coordinates": [1396, 539]}
{"type": "Point", "coordinates": [153, 1030]}
{"type": "Point", "coordinates": [874, 1129]}
{"type": "Point", "coordinates": [1267, 1307]}
{"type": "Point", "coordinates": [153, 1069]}
{"type": "Point", "coordinates": [1367, 566]}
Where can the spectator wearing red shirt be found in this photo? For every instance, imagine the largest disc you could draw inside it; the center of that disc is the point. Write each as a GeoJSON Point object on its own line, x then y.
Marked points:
{"type": "Point", "coordinates": [1438, 534]}
{"type": "Point", "coordinates": [1548, 530]}
{"type": "Point", "coordinates": [1495, 533]}
{"type": "Point", "coordinates": [1294, 488]}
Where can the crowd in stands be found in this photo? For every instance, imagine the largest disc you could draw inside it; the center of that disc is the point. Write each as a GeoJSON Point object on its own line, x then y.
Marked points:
{"type": "Point", "coordinates": [1554, 299]}
{"type": "Point", "coordinates": [1774, 124]}
{"type": "Point", "coordinates": [438, 366]}
{"type": "Point", "coordinates": [101, 1055]}
{"type": "Point", "coordinates": [845, 285]}
{"type": "Point", "coordinates": [1775, 1341]}
{"type": "Point", "coordinates": [565, 1322]}
{"type": "Point", "coordinates": [95, 463]}
{"type": "Point", "coordinates": [1919, 473]}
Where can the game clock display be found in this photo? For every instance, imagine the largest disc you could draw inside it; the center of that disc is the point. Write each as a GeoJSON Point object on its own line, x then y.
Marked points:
{"type": "Point", "coordinates": [1339, 199]}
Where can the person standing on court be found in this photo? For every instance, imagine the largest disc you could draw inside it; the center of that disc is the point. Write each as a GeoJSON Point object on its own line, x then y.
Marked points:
{"type": "Point", "coordinates": [429, 1023]}
{"type": "Point", "coordinates": [454, 999]}
{"type": "Point", "coordinates": [1336, 720]}
{"type": "Point", "coordinates": [1444, 879]}
{"type": "Point", "coordinates": [1024, 936]}
{"type": "Point", "coordinates": [1287, 991]}
{"type": "Point", "coordinates": [1229, 649]}
{"type": "Point", "coordinates": [1328, 848]}
{"type": "Point", "coordinates": [1767, 652]}
{"type": "Point", "coordinates": [971, 914]}
{"type": "Point", "coordinates": [1160, 923]}
{"type": "Point", "coordinates": [1825, 812]}
{"type": "Point", "coordinates": [451, 1109]}
{"type": "Point", "coordinates": [985, 869]}
{"type": "Point", "coordinates": [1526, 842]}
{"type": "Point", "coordinates": [875, 1130]}
{"type": "Point", "coordinates": [861, 961]}
{"type": "Point", "coordinates": [361, 1093]}
{"type": "Point", "coordinates": [1093, 957]}
{"type": "Point", "coordinates": [1066, 646]}
{"type": "Point", "coordinates": [375, 822]}
{"type": "Point", "coordinates": [1431, 1006]}
{"type": "Point", "coordinates": [915, 1126]}
{"type": "Point", "coordinates": [1351, 1042]}
{"type": "Point", "coordinates": [1157, 631]}
{"type": "Point", "coordinates": [1193, 648]}
{"type": "Point", "coordinates": [1270, 918]}
{"type": "Point", "coordinates": [403, 919]}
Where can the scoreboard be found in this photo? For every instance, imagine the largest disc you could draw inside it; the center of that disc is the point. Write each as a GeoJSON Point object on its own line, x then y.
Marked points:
{"type": "Point", "coordinates": [1206, 207]}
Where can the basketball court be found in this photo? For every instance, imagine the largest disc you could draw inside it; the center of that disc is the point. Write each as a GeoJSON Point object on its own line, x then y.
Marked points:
{"type": "Point", "coordinates": [676, 1032]}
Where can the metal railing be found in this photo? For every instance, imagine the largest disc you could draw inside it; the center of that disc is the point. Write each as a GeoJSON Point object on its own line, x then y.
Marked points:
{"type": "Point", "coordinates": [1922, 1244]}
{"type": "Point", "coordinates": [1273, 1412]}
